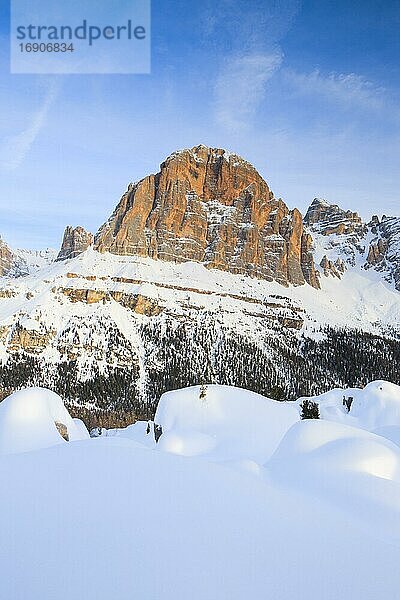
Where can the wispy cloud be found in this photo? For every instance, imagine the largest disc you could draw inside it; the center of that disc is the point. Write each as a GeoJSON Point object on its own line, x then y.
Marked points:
{"type": "Point", "coordinates": [15, 148]}
{"type": "Point", "coordinates": [253, 35]}
{"type": "Point", "coordinates": [241, 85]}
{"type": "Point", "coordinates": [350, 89]}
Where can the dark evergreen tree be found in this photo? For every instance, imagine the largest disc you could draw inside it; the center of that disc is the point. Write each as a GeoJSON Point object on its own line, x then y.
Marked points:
{"type": "Point", "coordinates": [309, 410]}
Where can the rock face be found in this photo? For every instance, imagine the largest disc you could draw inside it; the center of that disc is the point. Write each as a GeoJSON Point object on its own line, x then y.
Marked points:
{"type": "Point", "coordinates": [331, 219]}
{"type": "Point", "coordinates": [345, 240]}
{"type": "Point", "coordinates": [339, 233]}
{"type": "Point", "coordinates": [7, 258]}
{"type": "Point", "coordinates": [335, 268]}
{"type": "Point", "coordinates": [384, 248]}
{"type": "Point", "coordinates": [75, 241]}
{"type": "Point", "coordinates": [213, 207]}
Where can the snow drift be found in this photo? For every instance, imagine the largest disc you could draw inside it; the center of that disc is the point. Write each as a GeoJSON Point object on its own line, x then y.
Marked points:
{"type": "Point", "coordinates": [350, 468]}
{"type": "Point", "coordinates": [36, 418]}
{"type": "Point", "coordinates": [118, 517]}
{"type": "Point", "coordinates": [222, 423]}
{"type": "Point", "coordinates": [374, 407]}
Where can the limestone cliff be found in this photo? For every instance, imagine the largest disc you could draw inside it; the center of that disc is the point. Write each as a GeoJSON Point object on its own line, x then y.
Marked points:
{"type": "Point", "coordinates": [75, 241]}
{"type": "Point", "coordinates": [211, 206]}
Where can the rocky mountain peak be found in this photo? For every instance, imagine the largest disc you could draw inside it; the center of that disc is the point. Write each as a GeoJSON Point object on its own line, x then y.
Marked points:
{"type": "Point", "coordinates": [211, 206]}
{"type": "Point", "coordinates": [330, 218]}
{"type": "Point", "coordinates": [339, 234]}
{"type": "Point", "coordinates": [344, 239]}
{"type": "Point", "coordinates": [75, 241]}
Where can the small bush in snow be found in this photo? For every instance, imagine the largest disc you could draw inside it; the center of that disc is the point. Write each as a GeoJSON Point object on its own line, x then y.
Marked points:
{"type": "Point", "coordinates": [203, 392]}
{"type": "Point", "coordinates": [309, 410]}
{"type": "Point", "coordinates": [347, 402]}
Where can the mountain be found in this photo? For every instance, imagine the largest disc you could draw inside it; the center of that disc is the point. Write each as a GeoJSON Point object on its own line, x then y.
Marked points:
{"type": "Point", "coordinates": [201, 275]}
{"type": "Point", "coordinates": [342, 240]}
{"type": "Point", "coordinates": [384, 248]}
{"type": "Point", "coordinates": [17, 263]}
{"type": "Point", "coordinates": [211, 206]}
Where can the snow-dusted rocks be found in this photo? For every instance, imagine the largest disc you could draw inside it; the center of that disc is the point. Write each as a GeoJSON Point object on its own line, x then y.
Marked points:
{"type": "Point", "coordinates": [36, 418]}
{"type": "Point", "coordinates": [222, 423]}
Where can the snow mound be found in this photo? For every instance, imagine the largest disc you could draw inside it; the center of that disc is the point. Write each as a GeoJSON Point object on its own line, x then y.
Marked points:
{"type": "Point", "coordinates": [377, 405]}
{"type": "Point", "coordinates": [36, 418]}
{"type": "Point", "coordinates": [352, 469]}
{"type": "Point", "coordinates": [187, 443]}
{"type": "Point", "coordinates": [323, 445]}
{"type": "Point", "coordinates": [390, 432]}
{"type": "Point", "coordinates": [141, 432]}
{"type": "Point", "coordinates": [222, 423]}
{"type": "Point", "coordinates": [374, 407]}
{"type": "Point", "coordinates": [81, 430]}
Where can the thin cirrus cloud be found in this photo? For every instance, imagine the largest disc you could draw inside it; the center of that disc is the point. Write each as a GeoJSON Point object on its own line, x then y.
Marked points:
{"type": "Point", "coordinates": [15, 148]}
{"type": "Point", "coordinates": [350, 90]}
{"type": "Point", "coordinates": [241, 85]}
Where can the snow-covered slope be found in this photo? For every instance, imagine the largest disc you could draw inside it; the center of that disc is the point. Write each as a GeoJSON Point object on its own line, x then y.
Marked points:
{"type": "Point", "coordinates": [107, 312]}
{"type": "Point", "coordinates": [360, 299]}
{"type": "Point", "coordinates": [30, 261]}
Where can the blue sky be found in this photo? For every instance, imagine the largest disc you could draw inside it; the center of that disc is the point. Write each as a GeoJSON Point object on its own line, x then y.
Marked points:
{"type": "Point", "coordinates": [308, 91]}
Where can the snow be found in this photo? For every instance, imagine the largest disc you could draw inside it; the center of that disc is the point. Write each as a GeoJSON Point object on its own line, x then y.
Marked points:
{"type": "Point", "coordinates": [253, 308]}
{"type": "Point", "coordinates": [352, 470]}
{"type": "Point", "coordinates": [375, 407]}
{"type": "Point", "coordinates": [141, 432]}
{"type": "Point", "coordinates": [223, 423]}
{"type": "Point", "coordinates": [28, 421]}
{"type": "Point", "coordinates": [116, 517]}
{"type": "Point", "coordinates": [81, 432]}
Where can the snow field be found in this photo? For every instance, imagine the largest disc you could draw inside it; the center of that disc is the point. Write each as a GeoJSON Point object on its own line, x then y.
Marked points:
{"type": "Point", "coordinates": [259, 505]}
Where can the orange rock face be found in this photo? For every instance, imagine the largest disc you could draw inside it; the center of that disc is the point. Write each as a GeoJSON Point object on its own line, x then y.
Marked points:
{"type": "Point", "coordinates": [211, 206]}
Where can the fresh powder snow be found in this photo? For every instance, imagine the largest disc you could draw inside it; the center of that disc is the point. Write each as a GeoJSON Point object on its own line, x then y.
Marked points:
{"type": "Point", "coordinates": [239, 499]}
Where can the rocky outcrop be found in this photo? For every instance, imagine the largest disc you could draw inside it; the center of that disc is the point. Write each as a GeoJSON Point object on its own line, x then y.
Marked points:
{"type": "Point", "coordinates": [337, 232]}
{"type": "Point", "coordinates": [31, 341]}
{"type": "Point", "coordinates": [75, 241]}
{"type": "Point", "coordinates": [331, 219]}
{"type": "Point", "coordinates": [335, 268]}
{"type": "Point", "coordinates": [384, 249]}
{"type": "Point", "coordinates": [7, 258]}
{"type": "Point", "coordinates": [377, 252]}
{"type": "Point", "coordinates": [137, 302]}
{"type": "Point", "coordinates": [213, 207]}
{"type": "Point", "coordinates": [311, 275]}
